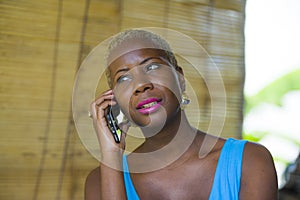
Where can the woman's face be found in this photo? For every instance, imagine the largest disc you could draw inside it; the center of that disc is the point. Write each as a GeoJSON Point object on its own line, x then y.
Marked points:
{"type": "Point", "coordinates": [146, 86]}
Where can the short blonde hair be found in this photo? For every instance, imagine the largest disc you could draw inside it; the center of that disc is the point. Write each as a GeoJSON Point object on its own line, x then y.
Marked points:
{"type": "Point", "coordinates": [139, 34]}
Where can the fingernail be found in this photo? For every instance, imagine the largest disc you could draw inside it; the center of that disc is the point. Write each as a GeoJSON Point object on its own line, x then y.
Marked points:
{"type": "Point", "coordinates": [108, 92]}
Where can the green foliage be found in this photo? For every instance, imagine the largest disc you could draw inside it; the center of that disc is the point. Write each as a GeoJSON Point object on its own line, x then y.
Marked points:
{"type": "Point", "coordinates": [254, 136]}
{"type": "Point", "coordinates": [274, 92]}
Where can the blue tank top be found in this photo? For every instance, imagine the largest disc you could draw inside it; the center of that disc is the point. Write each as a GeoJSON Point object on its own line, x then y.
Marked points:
{"type": "Point", "coordinates": [226, 185]}
{"type": "Point", "coordinates": [130, 190]}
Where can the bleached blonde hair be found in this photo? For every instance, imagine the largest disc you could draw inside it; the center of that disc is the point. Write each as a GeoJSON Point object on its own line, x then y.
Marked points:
{"type": "Point", "coordinates": [139, 34]}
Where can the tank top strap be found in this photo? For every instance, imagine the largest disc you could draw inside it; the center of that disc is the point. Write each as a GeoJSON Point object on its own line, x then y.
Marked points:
{"type": "Point", "coordinates": [130, 190]}
{"type": "Point", "coordinates": [226, 185]}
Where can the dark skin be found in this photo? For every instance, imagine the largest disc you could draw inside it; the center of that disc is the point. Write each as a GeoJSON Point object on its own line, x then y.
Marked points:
{"type": "Point", "coordinates": [188, 177]}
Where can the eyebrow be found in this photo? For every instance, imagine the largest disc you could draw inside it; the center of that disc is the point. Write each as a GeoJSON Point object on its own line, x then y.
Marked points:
{"type": "Point", "coordinates": [147, 59]}
{"type": "Point", "coordinates": [122, 70]}
{"type": "Point", "coordinates": [125, 69]}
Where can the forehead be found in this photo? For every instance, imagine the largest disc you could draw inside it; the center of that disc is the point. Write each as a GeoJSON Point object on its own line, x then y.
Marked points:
{"type": "Point", "coordinates": [130, 45]}
{"type": "Point", "coordinates": [136, 57]}
{"type": "Point", "coordinates": [131, 54]}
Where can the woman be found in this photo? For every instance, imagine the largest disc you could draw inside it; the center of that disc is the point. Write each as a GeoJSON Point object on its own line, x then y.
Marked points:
{"type": "Point", "coordinates": [148, 85]}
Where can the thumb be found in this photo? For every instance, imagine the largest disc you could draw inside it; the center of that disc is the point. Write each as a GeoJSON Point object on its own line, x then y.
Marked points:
{"type": "Point", "coordinates": [124, 126]}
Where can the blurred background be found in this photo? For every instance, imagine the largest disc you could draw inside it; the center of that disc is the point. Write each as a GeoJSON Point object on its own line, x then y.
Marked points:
{"type": "Point", "coordinates": [43, 44]}
{"type": "Point", "coordinates": [272, 85]}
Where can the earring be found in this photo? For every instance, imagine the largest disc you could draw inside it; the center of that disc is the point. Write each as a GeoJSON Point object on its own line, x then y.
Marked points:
{"type": "Point", "coordinates": [184, 100]}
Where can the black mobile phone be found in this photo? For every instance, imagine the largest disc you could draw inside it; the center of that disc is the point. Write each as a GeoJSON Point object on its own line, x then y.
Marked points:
{"type": "Point", "coordinates": [112, 122]}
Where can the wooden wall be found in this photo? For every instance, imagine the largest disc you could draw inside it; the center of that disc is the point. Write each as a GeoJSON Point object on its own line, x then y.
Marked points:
{"type": "Point", "coordinates": [42, 45]}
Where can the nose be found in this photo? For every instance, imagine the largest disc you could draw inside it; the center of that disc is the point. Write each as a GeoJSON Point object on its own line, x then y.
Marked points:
{"type": "Point", "coordinates": [143, 87]}
{"type": "Point", "coordinates": [141, 81]}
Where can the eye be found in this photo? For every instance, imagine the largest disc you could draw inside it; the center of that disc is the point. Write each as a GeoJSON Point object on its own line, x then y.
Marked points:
{"type": "Point", "coordinates": [152, 66]}
{"type": "Point", "coordinates": [123, 78]}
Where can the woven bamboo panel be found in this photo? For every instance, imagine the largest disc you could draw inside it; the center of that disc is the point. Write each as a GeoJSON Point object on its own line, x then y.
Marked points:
{"type": "Point", "coordinates": [42, 45]}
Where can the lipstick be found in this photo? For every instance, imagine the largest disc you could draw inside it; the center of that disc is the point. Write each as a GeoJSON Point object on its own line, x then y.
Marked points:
{"type": "Point", "coordinates": [149, 105]}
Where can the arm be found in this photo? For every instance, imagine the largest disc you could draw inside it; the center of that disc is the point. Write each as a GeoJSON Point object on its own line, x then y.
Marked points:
{"type": "Point", "coordinates": [92, 185]}
{"type": "Point", "coordinates": [112, 180]}
{"type": "Point", "coordinates": [259, 179]}
{"type": "Point", "coordinates": [106, 182]}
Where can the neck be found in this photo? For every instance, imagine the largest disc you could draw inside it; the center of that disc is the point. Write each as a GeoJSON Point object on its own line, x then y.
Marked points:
{"type": "Point", "coordinates": [176, 139]}
{"type": "Point", "coordinates": [178, 127]}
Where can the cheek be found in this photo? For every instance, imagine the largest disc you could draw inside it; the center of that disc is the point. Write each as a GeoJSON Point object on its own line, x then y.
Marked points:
{"type": "Point", "coordinates": [169, 81]}
{"type": "Point", "coordinates": [123, 99]}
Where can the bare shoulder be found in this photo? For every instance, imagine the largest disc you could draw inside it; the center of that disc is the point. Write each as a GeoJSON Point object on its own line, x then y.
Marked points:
{"type": "Point", "coordinates": [259, 179]}
{"type": "Point", "coordinates": [92, 185]}
{"type": "Point", "coordinates": [257, 159]}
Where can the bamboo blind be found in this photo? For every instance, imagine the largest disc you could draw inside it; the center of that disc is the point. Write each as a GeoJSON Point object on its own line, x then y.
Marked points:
{"type": "Point", "coordinates": [42, 46]}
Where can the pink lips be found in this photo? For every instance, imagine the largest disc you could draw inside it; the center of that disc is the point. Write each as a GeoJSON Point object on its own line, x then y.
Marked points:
{"type": "Point", "coordinates": [149, 105]}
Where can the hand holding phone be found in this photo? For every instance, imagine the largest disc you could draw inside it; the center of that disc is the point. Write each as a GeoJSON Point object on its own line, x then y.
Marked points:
{"type": "Point", "coordinates": [112, 123]}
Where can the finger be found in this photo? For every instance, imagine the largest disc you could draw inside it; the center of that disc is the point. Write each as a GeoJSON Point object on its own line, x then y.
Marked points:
{"type": "Point", "coordinates": [123, 141]}
{"type": "Point", "coordinates": [102, 98]}
{"type": "Point", "coordinates": [98, 111]}
{"type": "Point", "coordinates": [110, 91]}
{"type": "Point", "coordinates": [98, 102]}
{"type": "Point", "coordinates": [108, 95]}
{"type": "Point", "coordinates": [124, 126]}
{"type": "Point", "coordinates": [102, 109]}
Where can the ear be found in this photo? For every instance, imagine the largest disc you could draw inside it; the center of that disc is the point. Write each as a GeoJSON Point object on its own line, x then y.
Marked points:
{"type": "Point", "coordinates": [181, 77]}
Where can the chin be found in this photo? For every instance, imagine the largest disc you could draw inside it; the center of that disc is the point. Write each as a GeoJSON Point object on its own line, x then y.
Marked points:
{"type": "Point", "coordinates": [155, 126]}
